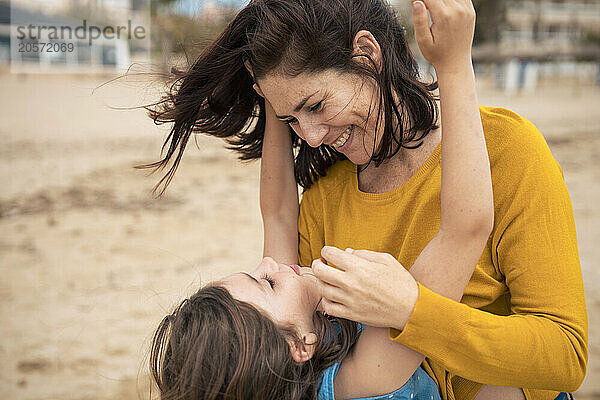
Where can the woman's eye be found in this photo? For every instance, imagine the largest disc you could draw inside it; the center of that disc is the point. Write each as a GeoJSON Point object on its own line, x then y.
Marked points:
{"type": "Point", "coordinates": [270, 280]}
{"type": "Point", "coordinates": [316, 107]}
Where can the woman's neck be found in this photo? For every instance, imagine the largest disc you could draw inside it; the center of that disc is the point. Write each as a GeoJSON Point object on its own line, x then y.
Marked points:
{"type": "Point", "coordinates": [398, 169]}
{"type": "Point", "coordinates": [394, 172]}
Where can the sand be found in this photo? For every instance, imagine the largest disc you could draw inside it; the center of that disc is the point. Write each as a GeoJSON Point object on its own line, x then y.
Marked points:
{"type": "Point", "coordinates": [90, 262]}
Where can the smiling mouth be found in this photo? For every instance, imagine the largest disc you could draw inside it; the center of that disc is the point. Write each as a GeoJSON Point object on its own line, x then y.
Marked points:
{"type": "Point", "coordinates": [296, 268]}
{"type": "Point", "coordinates": [344, 138]}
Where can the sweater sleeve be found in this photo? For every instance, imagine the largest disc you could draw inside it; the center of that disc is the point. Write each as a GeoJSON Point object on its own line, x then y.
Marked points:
{"type": "Point", "coordinates": [543, 343]}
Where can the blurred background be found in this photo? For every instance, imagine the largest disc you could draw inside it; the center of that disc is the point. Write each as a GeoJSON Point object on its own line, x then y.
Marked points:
{"type": "Point", "coordinates": [91, 261]}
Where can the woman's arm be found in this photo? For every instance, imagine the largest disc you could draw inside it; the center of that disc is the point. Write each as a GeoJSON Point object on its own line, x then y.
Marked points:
{"type": "Point", "coordinates": [543, 341]}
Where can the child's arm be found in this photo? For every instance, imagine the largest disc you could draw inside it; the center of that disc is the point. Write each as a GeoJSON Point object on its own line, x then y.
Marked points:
{"type": "Point", "coordinates": [447, 262]}
{"type": "Point", "coordinates": [467, 209]}
{"type": "Point", "coordinates": [278, 192]}
{"type": "Point", "coordinates": [278, 188]}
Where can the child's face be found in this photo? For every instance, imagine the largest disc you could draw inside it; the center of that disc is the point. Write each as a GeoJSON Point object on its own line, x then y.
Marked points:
{"type": "Point", "coordinates": [287, 296]}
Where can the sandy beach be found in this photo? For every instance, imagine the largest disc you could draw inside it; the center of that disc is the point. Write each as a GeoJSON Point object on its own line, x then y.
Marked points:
{"type": "Point", "coordinates": [91, 262]}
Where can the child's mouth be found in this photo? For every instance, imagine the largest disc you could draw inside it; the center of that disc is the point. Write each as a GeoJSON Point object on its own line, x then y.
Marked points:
{"type": "Point", "coordinates": [296, 268]}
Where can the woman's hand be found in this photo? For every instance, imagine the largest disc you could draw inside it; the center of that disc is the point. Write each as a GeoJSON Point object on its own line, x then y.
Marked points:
{"type": "Point", "coordinates": [447, 42]}
{"type": "Point", "coordinates": [370, 287]}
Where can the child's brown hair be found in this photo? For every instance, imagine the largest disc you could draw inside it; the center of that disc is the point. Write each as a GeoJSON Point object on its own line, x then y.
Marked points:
{"type": "Point", "coordinates": [216, 347]}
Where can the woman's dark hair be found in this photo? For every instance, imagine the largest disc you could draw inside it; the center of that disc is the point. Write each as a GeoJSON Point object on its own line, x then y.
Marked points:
{"type": "Point", "coordinates": [215, 347]}
{"type": "Point", "coordinates": [215, 95]}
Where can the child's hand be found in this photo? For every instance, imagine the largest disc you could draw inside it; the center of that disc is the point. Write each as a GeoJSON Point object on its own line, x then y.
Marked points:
{"type": "Point", "coordinates": [447, 42]}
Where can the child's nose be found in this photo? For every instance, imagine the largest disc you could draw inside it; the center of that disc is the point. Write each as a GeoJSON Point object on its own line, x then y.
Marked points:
{"type": "Point", "coordinates": [269, 264]}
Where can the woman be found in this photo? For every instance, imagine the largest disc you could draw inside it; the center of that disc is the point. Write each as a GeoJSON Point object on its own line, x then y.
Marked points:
{"type": "Point", "coordinates": [516, 326]}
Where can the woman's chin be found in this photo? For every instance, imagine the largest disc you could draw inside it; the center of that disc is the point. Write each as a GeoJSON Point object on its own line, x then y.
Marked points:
{"type": "Point", "coordinates": [357, 159]}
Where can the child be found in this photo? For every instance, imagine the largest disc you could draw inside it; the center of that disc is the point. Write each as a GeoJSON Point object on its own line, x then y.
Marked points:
{"type": "Point", "coordinates": [264, 335]}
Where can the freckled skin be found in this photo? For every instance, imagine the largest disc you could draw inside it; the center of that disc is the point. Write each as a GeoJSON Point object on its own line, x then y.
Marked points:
{"type": "Point", "coordinates": [346, 101]}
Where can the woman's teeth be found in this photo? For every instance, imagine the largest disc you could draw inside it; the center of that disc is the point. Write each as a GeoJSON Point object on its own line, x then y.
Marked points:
{"type": "Point", "coordinates": [344, 138]}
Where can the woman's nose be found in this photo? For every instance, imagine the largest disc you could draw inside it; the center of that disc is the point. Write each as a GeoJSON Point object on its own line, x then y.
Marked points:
{"type": "Point", "coordinates": [313, 134]}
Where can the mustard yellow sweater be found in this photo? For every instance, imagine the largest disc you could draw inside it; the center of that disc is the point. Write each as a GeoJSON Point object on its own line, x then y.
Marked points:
{"type": "Point", "coordinates": [522, 321]}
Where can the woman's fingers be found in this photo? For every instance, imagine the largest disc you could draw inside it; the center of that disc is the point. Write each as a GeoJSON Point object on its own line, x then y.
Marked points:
{"type": "Point", "coordinates": [369, 287]}
{"type": "Point", "coordinates": [330, 275]}
{"type": "Point", "coordinates": [374, 256]}
{"type": "Point", "coordinates": [421, 22]}
{"type": "Point", "coordinates": [332, 293]}
{"type": "Point", "coordinates": [341, 259]}
{"type": "Point", "coordinates": [366, 255]}
{"type": "Point", "coordinates": [334, 309]}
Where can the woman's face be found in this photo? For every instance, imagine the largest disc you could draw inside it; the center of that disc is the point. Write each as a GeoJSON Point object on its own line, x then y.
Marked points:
{"type": "Point", "coordinates": [328, 107]}
{"type": "Point", "coordinates": [289, 295]}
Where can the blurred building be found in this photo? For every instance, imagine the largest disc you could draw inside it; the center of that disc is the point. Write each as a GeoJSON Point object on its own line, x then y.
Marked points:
{"type": "Point", "coordinates": [4, 33]}
{"type": "Point", "coordinates": [117, 10]}
{"type": "Point", "coordinates": [71, 52]}
{"type": "Point", "coordinates": [550, 25]}
{"type": "Point", "coordinates": [545, 41]}
{"type": "Point", "coordinates": [535, 41]}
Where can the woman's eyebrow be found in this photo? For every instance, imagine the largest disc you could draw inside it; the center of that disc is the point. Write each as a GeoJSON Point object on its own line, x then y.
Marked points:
{"type": "Point", "coordinates": [299, 106]}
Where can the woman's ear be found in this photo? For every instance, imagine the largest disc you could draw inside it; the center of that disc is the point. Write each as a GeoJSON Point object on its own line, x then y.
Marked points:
{"type": "Point", "coordinates": [365, 43]}
{"type": "Point", "coordinates": [255, 86]}
{"type": "Point", "coordinates": [304, 351]}
{"type": "Point", "coordinates": [249, 68]}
